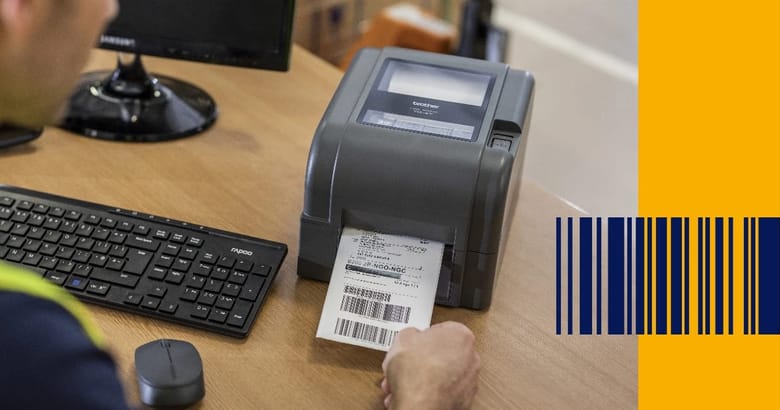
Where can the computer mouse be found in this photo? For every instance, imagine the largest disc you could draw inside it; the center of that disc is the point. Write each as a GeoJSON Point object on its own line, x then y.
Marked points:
{"type": "Point", "coordinates": [169, 373]}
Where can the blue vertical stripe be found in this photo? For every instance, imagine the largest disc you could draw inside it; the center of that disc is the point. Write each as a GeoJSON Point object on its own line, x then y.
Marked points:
{"type": "Point", "coordinates": [676, 285]}
{"type": "Point", "coordinates": [649, 276]}
{"type": "Point", "coordinates": [731, 276]}
{"type": "Point", "coordinates": [660, 277]}
{"type": "Point", "coordinates": [745, 270]}
{"type": "Point", "coordinates": [640, 276]}
{"type": "Point", "coordinates": [687, 277]}
{"type": "Point", "coordinates": [707, 276]}
{"type": "Point", "coordinates": [719, 276]}
{"type": "Point", "coordinates": [615, 271]}
{"type": "Point", "coordinates": [570, 275]}
{"type": "Point", "coordinates": [752, 276]}
{"type": "Point", "coordinates": [629, 245]}
{"type": "Point", "coordinates": [586, 276]}
{"type": "Point", "coordinates": [701, 277]}
{"type": "Point", "coordinates": [769, 276]}
{"type": "Point", "coordinates": [558, 275]}
{"type": "Point", "coordinates": [598, 276]}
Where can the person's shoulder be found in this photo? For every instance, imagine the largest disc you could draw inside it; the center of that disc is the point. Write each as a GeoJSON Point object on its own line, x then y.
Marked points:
{"type": "Point", "coordinates": [48, 358]}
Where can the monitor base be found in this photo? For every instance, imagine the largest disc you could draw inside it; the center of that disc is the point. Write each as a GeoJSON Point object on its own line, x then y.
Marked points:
{"type": "Point", "coordinates": [128, 104]}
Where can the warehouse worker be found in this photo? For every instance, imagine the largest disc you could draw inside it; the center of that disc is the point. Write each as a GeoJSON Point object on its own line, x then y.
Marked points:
{"type": "Point", "coordinates": [51, 354]}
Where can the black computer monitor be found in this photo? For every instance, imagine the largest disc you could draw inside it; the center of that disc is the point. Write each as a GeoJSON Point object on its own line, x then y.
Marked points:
{"type": "Point", "coordinates": [129, 104]}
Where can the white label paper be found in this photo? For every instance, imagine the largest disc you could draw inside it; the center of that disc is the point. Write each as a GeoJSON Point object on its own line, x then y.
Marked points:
{"type": "Point", "coordinates": [380, 284]}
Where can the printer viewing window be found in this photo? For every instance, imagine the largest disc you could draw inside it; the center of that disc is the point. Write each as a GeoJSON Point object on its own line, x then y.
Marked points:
{"type": "Point", "coordinates": [437, 83]}
{"type": "Point", "coordinates": [128, 104]}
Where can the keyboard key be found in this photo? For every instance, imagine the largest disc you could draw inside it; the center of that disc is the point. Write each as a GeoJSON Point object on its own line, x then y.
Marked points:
{"type": "Point", "coordinates": [118, 251]}
{"type": "Point", "coordinates": [65, 266]}
{"type": "Point", "coordinates": [40, 208]}
{"type": "Point", "coordinates": [108, 222]}
{"type": "Point", "coordinates": [196, 281]}
{"type": "Point", "coordinates": [85, 243]}
{"type": "Point", "coordinates": [202, 269]}
{"type": "Point", "coordinates": [244, 265]}
{"type": "Point", "coordinates": [5, 213]}
{"type": "Point", "coordinates": [98, 288]}
{"type": "Point", "coordinates": [69, 240]}
{"type": "Point", "coordinates": [52, 236]}
{"type": "Point", "coordinates": [84, 230]}
{"type": "Point", "coordinates": [20, 216]}
{"type": "Point", "coordinates": [137, 261]}
{"type": "Point", "coordinates": [171, 249]}
{"type": "Point", "coordinates": [196, 242]}
{"type": "Point", "coordinates": [164, 261]}
{"type": "Point", "coordinates": [189, 253]}
{"type": "Point", "coordinates": [226, 262]}
{"type": "Point", "coordinates": [201, 312]}
{"type": "Point", "coordinates": [237, 316]}
{"type": "Point", "coordinates": [31, 258]}
{"type": "Point", "coordinates": [36, 220]}
{"type": "Point", "coordinates": [101, 247]}
{"type": "Point", "coordinates": [6, 226]}
{"type": "Point", "coordinates": [15, 241]}
{"type": "Point", "coordinates": [169, 307]}
{"type": "Point", "coordinates": [125, 226]}
{"type": "Point", "coordinates": [218, 315]}
{"type": "Point", "coordinates": [220, 273]}
{"type": "Point", "coordinates": [48, 263]}
{"type": "Point", "coordinates": [101, 234]}
{"type": "Point", "coordinates": [231, 289]}
{"type": "Point", "coordinates": [82, 270]}
{"type": "Point", "coordinates": [20, 229]}
{"type": "Point", "coordinates": [52, 223]}
{"type": "Point", "coordinates": [207, 298]}
{"type": "Point", "coordinates": [73, 215]}
{"type": "Point", "coordinates": [25, 205]}
{"type": "Point", "coordinates": [252, 288]}
{"type": "Point", "coordinates": [48, 249]}
{"type": "Point", "coordinates": [117, 237]}
{"type": "Point", "coordinates": [150, 302]}
{"type": "Point", "coordinates": [157, 291]}
{"type": "Point", "coordinates": [175, 277]}
{"type": "Point", "coordinates": [76, 282]}
{"type": "Point", "coordinates": [6, 201]}
{"type": "Point", "coordinates": [208, 257]}
{"type": "Point", "coordinates": [225, 302]}
{"type": "Point", "coordinates": [115, 263]}
{"type": "Point", "coordinates": [57, 212]}
{"type": "Point", "coordinates": [132, 298]}
{"type": "Point", "coordinates": [92, 219]}
{"type": "Point", "coordinates": [213, 285]}
{"type": "Point", "coordinates": [238, 277]}
{"type": "Point", "coordinates": [116, 278]}
{"type": "Point", "coordinates": [98, 260]}
{"type": "Point", "coordinates": [141, 229]}
{"type": "Point", "coordinates": [161, 234]}
{"type": "Point", "coordinates": [81, 256]}
{"type": "Point", "coordinates": [140, 242]}
{"type": "Point", "coordinates": [190, 295]}
{"type": "Point", "coordinates": [68, 227]}
{"type": "Point", "coordinates": [178, 238]}
{"type": "Point", "coordinates": [157, 273]}
{"type": "Point", "coordinates": [181, 264]}
{"type": "Point", "coordinates": [31, 245]}
{"type": "Point", "coordinates": [56, 277]}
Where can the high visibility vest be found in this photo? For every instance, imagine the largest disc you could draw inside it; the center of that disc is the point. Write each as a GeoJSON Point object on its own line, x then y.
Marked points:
{"type": "Point", "coordinates": [13, 279]}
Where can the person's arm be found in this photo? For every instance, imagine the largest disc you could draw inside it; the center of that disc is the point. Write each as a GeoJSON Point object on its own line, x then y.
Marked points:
{"type": "Point", "coordinates": [435, 368]}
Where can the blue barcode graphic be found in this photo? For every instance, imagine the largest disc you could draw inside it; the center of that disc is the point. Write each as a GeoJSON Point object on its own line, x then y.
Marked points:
{"type": "Point", "coordinates": [667, 276]}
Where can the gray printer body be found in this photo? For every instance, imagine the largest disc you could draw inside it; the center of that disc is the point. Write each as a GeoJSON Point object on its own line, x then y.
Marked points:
{"type": "Point", "coordinates": [380, 161]}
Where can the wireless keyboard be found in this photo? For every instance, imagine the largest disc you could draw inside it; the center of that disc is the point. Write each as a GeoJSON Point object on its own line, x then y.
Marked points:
{"type": "Point", "coordinates": [145, 264]}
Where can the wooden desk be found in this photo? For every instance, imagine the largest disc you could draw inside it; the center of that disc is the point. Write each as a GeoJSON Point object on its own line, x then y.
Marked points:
{"type": "Point", "coordinates": [246, 175]}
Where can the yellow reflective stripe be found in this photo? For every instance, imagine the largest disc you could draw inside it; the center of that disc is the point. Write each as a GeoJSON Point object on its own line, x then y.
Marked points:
{"type": "Point", "coordinates": [19, 280]}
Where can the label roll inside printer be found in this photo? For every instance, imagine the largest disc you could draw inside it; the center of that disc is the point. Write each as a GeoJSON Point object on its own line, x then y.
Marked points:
{"type": "Point", "coordinates": [424, 145]}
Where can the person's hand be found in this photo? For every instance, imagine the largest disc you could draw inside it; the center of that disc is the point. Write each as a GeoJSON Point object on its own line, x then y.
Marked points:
{"type": "Point", "coordinates": [431, 369]}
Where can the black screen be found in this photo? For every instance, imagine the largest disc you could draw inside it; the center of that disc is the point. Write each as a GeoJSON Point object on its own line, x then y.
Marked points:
{"type": "Point", "coordinates": [249, 33]}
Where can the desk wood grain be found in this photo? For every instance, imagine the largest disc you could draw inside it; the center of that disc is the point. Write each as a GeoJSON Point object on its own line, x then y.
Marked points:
{"type": "Point", "coordinates": [246, 175]}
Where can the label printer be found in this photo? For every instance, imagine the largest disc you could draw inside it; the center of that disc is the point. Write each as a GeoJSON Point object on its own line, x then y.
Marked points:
{"type": "Point", "coordinates": [424, 145]}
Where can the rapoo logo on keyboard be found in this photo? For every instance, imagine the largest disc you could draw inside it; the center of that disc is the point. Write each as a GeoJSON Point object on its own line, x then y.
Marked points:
{"type": "Point", "coordinates": [241, 251]}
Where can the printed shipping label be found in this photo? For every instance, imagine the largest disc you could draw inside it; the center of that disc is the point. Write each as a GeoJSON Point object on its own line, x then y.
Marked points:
{"type": "Point", "coordinates": [380, 284]}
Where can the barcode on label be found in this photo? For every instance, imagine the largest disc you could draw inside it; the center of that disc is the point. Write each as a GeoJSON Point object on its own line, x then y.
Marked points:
{"type": "Point", "coordinates": [375, 310]}
{"type": "Point", "coordinates": [367, 293]}
{"type": "Point", "coordinates": [365, 332]}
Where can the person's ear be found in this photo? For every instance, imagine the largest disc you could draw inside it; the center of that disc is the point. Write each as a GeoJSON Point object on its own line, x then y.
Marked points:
{"type": "Point", "coordinates": [17, 17]}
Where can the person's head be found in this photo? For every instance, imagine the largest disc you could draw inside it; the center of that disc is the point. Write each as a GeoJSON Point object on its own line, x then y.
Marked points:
{"type": "Point", "coordinates": [44, 44]}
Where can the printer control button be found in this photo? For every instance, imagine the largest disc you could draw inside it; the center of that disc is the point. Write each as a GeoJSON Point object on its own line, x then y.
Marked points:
{"type": "Point", "coordinates": [501, 143]}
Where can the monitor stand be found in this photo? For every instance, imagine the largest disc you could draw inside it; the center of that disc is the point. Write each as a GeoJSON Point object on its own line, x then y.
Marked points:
{"type": "Point", "coordinates": [128, 104]}
{"type": "Point", "coordinates": [11, 135]}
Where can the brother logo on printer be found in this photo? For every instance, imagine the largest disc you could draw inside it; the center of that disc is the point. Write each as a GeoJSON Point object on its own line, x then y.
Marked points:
{"type": "Point", "coordinates": [425, 105]}
{"type": "Point", "coordinates": [241, 251]}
